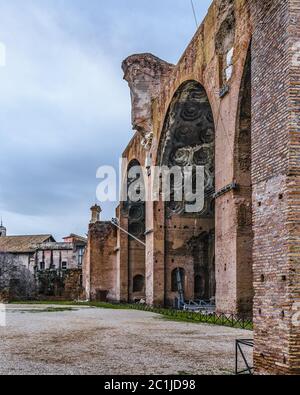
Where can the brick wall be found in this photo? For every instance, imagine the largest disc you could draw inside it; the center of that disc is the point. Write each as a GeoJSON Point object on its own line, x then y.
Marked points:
{"type": "Point", "coordinates": [73, 289]}
{"type": "Point", "coordinates": [275, 189]}
{"type": "Point", "coordinates": [294, 184]}
{"type": "Point", "coordinates": [100, 266]}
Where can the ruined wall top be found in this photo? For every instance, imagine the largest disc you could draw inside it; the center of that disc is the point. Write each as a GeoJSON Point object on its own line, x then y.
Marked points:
{"type": "Point", "coordinates": [145, 74]}
{"type": "Point", "coordinates": [224, 7]}
{"type": "Point", "coordinates": [151, 78]}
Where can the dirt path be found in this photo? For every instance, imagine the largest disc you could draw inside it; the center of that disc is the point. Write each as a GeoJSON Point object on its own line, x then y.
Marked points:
{"type": "Point", "coordinates": [95, 341]}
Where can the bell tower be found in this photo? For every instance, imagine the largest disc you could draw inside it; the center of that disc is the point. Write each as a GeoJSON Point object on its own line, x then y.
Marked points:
{"type": "Point", "coordinates": [96, 211]}
{"type": "Point", "coordinates": [2, 230]}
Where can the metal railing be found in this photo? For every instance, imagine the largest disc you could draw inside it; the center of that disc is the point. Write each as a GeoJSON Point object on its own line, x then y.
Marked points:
{"type": "Point", "coordinates": [240, 352]}
{"type": "Point", "coordinates": [229, 320]}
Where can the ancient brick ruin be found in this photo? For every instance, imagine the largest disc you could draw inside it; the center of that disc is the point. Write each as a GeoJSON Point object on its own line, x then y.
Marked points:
{"type": "Point", "coordinates": [232, 104]}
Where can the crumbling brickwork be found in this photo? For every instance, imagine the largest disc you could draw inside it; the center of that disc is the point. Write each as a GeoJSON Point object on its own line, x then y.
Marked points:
{"type": "Point", "coordinates": [59, 285]}
{"type": "Point", "coordinates": [145, 75]}
{"type": "Point", "coordinates": [100, 270]}
{"type": "Point", "coordinates": [73, 287]}
{"type": "Point", "coordinates": [275, 176]}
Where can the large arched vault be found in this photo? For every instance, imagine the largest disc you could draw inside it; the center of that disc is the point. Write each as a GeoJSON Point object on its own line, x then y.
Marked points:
{"type": "Point", "coordinates": [188, 139]}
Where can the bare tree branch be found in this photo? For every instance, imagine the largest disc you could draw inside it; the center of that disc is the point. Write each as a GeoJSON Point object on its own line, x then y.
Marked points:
{"type": "Point", "coordinates": [16, 281]}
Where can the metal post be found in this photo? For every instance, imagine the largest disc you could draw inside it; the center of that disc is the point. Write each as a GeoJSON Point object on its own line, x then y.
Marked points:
{"type": "Point", "coordinates": [115, 222]}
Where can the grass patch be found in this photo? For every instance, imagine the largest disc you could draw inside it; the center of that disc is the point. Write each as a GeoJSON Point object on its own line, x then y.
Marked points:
{"type": "Point", "coordinates": [44, 302]}
{"type": "Point", "coordinates": [184, 373]}
{"type": "Point", "coordinates": [110, 306]}
{"type": "Point", "coordinates": [71, 303]}
{"type": "Point", "coordinates": [56, 309]}
{"type": "Point", "coordinates": [209, 320]}
{"type": "Point", "coordinates": [48, 310]}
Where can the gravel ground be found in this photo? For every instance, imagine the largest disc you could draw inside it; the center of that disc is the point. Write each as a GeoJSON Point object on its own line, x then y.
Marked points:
{"type": "Point", "coordinates": [88, 341]}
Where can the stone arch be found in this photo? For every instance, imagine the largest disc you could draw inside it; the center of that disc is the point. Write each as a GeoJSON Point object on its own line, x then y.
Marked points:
{"type": "Point", "coordinates": [188, 139]}
{"type": "Point", "coordinates": [135, 209]}
{"type": "Point", "coordinates": [243, 195]}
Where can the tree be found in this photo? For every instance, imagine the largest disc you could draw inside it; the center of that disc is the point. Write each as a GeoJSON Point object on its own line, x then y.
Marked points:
{"type": "Point", "coordinates": [16, 281]}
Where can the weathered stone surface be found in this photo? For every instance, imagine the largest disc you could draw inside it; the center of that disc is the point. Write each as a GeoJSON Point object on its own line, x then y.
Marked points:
{"type": "Point", "coordinates": [275, 177]}
{"type": "Point", "coordinates": [100, 271]}
{"type": "Point", "coordinates": [145, 74]}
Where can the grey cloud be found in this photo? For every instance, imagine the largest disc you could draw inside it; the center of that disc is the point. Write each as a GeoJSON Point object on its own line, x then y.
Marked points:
{"type": "Point", "coordinates": [64, 108]}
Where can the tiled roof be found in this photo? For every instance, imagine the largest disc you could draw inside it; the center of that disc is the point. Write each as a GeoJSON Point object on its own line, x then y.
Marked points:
{"type": "Point", "coordinates": [53, 246]}
{"type": "Point", "coordinates": [76, 237]}
{"type": "Point", "coordinates": [22, 244]}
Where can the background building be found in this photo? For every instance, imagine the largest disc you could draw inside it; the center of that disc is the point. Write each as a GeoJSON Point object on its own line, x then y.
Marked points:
{"type": "Point", "coordinates": [56, 267]}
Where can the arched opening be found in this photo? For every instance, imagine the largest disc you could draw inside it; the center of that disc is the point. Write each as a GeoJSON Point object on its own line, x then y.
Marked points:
{"type": "Point", "coordinates": [135, 209]}
{"type": "Point", "coordinates": [243, 195]}
{"type": "Point", "coordinates": [138, 283]}
{"type": "Point", "coordinates": [178, 279]}
{"type": "Point", "coordinates": [188, 141]}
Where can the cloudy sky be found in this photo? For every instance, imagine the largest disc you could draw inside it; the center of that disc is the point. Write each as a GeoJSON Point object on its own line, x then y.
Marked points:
{"type": "Point", "coordinates": [64, 108]}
